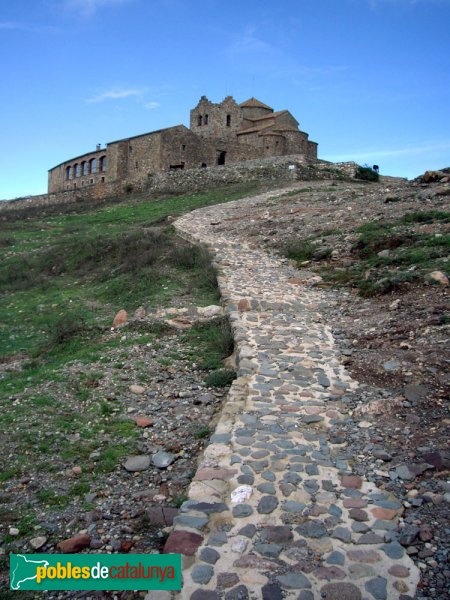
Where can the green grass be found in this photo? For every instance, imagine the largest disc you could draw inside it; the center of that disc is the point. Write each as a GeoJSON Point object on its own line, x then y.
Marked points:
{"type": "Point", "coordinates": [213, 342]}
{"type": "Point", "coordinates": [412, 253]}
{"type": "Point", "coordinates": [63, 277]}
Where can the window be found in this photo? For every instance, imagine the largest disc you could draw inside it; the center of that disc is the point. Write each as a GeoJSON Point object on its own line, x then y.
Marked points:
{"type": "Point", "coordinates": [93, 165]}
{"type": "Point", "coordinates": [200, 120]}
{"type": "Point", "coordinates": [228, 120]}
{"type": "Point", "coordinates": [77, 170]}
{"type": "Point", "coordinates": [183, 146]}
{"type": "Point", "coordinates": [69, 173]}
{"type": "Point", "coordinates": [103, 180]}
{"type": "Point", "coordinates": [130, 149]}
{"type": "Point", "coordinates": [84, 168]}
{"type": "Point", "coordinates": [206, 119]}
{"type": "Point", "coordinates": [103, 164]}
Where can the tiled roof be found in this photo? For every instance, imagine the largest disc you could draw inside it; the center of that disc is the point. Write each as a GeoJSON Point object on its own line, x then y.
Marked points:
{"type": "Point", "coordinates": [273, 115]}
{"type": "Point", "coordinates": [254, 103]}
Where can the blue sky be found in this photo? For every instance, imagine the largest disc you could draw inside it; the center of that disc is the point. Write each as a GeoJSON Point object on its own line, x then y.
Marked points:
{"type": "Point", "coordinates": [367, 79]}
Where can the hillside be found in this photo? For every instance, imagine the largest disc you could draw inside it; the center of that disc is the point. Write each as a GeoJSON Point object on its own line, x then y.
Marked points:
{"type": "Point", "coordinates": [79, 397]}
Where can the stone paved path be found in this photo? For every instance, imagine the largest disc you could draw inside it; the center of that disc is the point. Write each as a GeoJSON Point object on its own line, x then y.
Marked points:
{"type": "Point", "coordinates": [274, 510]}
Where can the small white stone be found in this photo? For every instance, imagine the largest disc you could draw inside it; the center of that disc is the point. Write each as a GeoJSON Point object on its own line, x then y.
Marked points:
{"type": "Point", "coordinates": [13, 531]}
{"type": "Point", "coordinates": [241, 494]}
{"type": "Point", "coordinates": [38, 542]}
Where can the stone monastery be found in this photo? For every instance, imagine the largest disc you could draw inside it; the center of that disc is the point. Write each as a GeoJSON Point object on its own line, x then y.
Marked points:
{"type": "Point", "coordinates": [219, 134]}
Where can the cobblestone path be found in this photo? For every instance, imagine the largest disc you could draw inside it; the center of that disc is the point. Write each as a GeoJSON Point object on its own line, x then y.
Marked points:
{"type": "Point", "coordinates": [274, 510]}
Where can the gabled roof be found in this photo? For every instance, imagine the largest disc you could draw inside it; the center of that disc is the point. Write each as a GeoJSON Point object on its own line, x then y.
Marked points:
{"type": "Point", "coordinates": [254, 103]}
{"type": "Point", "coordinates": [255, 129]}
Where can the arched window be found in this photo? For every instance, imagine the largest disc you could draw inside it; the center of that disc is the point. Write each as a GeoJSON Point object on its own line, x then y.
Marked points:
{"type": "Point", "coordinates": [228, 120]}
{"type": "Point", "coordinates": [68, 172]}
{"type": "Point", "coordinates": [84, 168]}
{"type": "Point", "coordinates": [200, 120]}
{"type": "Point", "coordinates": [76, 170]}
{"type": "Point", "coordinates": [93, 165]}
{"type": "Point", "coordinates": [206, 119]}
{"type": "Point", "coordinates": [103, 164]}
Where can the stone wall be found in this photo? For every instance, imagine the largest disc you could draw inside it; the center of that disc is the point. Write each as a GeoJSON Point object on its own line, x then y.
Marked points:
{"type": "Point", "coordinates": [83, 171]}
{"type": "Point", "coordinates": [278, 170]}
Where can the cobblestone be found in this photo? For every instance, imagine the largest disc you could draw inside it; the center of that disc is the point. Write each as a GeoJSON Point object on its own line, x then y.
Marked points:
{"type": "Point", "coordinates": [275, 436]}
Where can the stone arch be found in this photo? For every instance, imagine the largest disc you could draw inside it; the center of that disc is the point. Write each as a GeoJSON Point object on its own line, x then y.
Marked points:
{"type": "Point", "coordinates": [84, 168]}
{"type": "Point", "coordinates": [76, 170]}
{"type": "Point", "coordinates": [69, 172]}
{"type": "Point", "coordinates": [93, 165]}
{"type": "Point", "coordinates": [103, 164]}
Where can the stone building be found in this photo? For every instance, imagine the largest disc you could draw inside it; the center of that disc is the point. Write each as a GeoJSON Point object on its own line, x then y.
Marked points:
{"type": "Point", "coordinates": [219, 134]}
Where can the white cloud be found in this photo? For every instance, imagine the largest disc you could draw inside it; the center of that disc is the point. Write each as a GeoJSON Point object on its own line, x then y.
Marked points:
{"type": "Point", "coordinates": [87, 8]}
{"type": "Point", "coordinates": [115, 94]}
{"type": "Point", "coordinates": [151, 105]}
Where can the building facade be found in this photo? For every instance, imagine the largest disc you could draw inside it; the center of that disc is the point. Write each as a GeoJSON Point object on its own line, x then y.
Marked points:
{"type": "Point", "coordinates": [219, 134]}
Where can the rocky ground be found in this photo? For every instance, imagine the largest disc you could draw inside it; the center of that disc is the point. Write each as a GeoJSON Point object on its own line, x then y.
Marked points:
{"type": "Point", "coordinates": [394, 344]}
{"type": "Point", "coordinates": [157, 389]}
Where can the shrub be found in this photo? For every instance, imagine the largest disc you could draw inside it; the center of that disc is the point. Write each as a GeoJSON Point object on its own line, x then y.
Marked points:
{"type": "Point", "coordinates": [220, 378]}
{"type": "Point", "coordinates": [366, 173]}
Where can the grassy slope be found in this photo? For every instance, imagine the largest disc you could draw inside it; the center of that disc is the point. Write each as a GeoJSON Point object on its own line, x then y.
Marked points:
{"type": "Point", "coordinates": [62, 280]}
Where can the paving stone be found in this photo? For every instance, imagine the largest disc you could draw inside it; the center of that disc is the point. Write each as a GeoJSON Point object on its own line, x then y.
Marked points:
{"type": "Point", "coordinates": [269, 550]}
{"type": "Point", "coordinates": [369, 538]}
{"type": "Point", "coordinates": [351, 481]}
{"type": "Point", "coordinates": [209, 555]}
{"type": "Point", "coordinates": [182, 542]}
{"type": "Point", "coordinates": [329, 573]}
{"type": "Point", "coordinates": [227, 580]}
{"type": "Point", "coordinates": [266, 488]}
{"type": "Point", "coordinates": [293, 507]}
{"type": "Point", "coordinates": [312, 529]}
{"type": "Point", "coordinates": [190, 521]}
{"type": "Point", "coordinates": [342, 533]}
{"type": "Point", "coordinates": [305, 595]}
{"type": "Point", "coordinates": [248, 531]}
{"type": "Point", "coordinates": [377, 587]}
{"type": "Point", "coordinates": [393, 550]}
{"type": "Point", "coordinates": [399, 571]}
{"type": "Point", "coordinates": [358, 527]}
{"type": "Point", "coordinates": [271, 591]}
{"type": "Point", "coordinates": [277, 534]}
{"type": "Point", "coordinates": [217, 539]}
{"type": "Point", "coordinates": [237, 593]}
{"type": "Point", "coordinates": [209, 507]}
{"type": "Point", "coordinates": [340, 591]}
{"type": "Point", "coordinates": [204, 595]}
{"type": "Point", "coordinates": [202, 574]}
{"type": "Point", "coordinates": [267, 505]}
{"type": "Point", "coordinates": [336, 558]}
{"type": "Point", "coordinates": [364, 556]}
{"type": "Point", "coordinates": [335, 511]}
{"type": "Point", "coordinates": [242, 510]}
{"type": "Point", "coordinates": [312, 469]}
{"type": "Point", "coordinates": [360, 571]}
{"type": "Point", "coordinates": [268, 475]}
{"type": "Point", "coordinates": [358, 514]}
{"type": "Point", "coordinates": [294, 581]}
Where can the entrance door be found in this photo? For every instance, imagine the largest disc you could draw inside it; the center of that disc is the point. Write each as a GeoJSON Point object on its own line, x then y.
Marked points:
{"type": "Point", "coordinates": [221, 158]}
